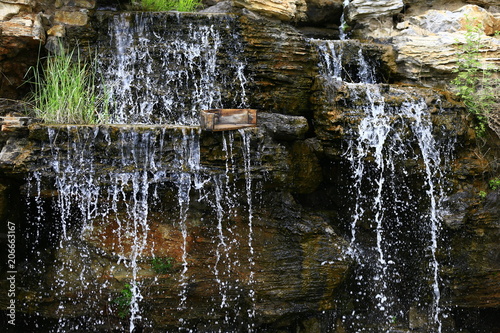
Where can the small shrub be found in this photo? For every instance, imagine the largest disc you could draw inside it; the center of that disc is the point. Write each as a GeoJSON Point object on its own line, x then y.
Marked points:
{"type": "Point", "coordinates": [162, 265]}
{"type": "Point", "coordinates": [124, 301]}
{"type": "Point", "coordinates": [474, 83]}
{"type": "Point", "coordinates": [167, 5]}
{"type": "Point", "coordinates": [66, 91]}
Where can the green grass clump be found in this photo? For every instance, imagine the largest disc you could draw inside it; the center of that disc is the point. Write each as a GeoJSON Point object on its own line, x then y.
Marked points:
{"type": "Point", "coordinates": [167, 5]}
{"type": "Point", "coordinates": [66, 91]}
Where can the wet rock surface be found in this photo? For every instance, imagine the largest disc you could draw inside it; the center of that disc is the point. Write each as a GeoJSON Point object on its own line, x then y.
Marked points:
{"type": "Point", "coordinates": [298, 273]}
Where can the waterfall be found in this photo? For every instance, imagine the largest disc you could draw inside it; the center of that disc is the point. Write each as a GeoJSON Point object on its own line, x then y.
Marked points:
{"type": "Point", "coordinates": [393, 226]}
{"type": "Point", "coordinates": [165, 67]}
{"type": "Point", "coordinates": [343, 22]}
{"type": "Point", "coordinates": [248, 186]}
{"type": "Point", "coordinates": [189, 160]}
{"type": "Point", "coordinates": [113, 204]}
{"type": "Point", "coordinates": [343, 61]}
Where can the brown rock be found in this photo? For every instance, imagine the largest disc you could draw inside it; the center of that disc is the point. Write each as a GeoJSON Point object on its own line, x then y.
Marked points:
{"type": "Point", "coordinates": [88, 4]}
{"type": "Point", "coordinates": [8, 10]}
{"type": "Point", "coordinates": [288, 10]}
{"type": "Point", "coordinates": [474, 269]}
{"type": "Point", "coordinates": [57, 31]}
{"type": "Point", "coordinates": [76, 18]}
{"type": "Point", "coordinates": [436, 21]}
{"type": "Point", "coordinates": [282, 63]}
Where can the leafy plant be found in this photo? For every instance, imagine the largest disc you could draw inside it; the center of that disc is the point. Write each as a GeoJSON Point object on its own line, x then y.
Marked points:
{"type": "Point", "coordinates": [124, 301]}
{"type": "Point", "coordinates": [474, 82]}
{"type": "Point", "coordinates": [162, 265]}
{"type": "Point", "coordinates": [66, 91]}
{"type": "Point", "coordinates": [482, 194]}
{"type": "Point", "coordinates": [494, 183]}
{"type": "Point", "coordinates": [166, 5]}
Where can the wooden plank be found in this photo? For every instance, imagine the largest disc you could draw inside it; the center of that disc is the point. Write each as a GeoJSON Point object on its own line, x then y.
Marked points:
{"type": "Point", "coordinates": [227, 119]}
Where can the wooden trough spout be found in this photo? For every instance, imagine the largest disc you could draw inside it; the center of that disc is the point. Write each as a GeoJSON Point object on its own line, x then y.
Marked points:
{"type": "Point", "coordinates": [227, 119]}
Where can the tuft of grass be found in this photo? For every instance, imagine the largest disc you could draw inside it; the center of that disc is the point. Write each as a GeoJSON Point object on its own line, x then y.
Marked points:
{"type": "Point", "coordinates": [167, 5]}
{"type": "Point", "coordinates": [66, 91]}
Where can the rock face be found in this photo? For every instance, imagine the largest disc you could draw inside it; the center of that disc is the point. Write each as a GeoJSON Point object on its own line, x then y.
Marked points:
{"type": "Point", "coordinates": [282, 64]}
{"type": "Point", "coordinates": [419, 35]}
{"type": "Point", "coordinates": [258, 223]}
{"type": "Point", "coordinates": [358, 9]}
{"type": "Point", "coordinates": [26, 27]}
{"type": "Point", "coordinates": [289, 262]}
{"type": "Point", "coordinates": [298, 11]}
{"type": "Point", "coordinates": [289, 10]}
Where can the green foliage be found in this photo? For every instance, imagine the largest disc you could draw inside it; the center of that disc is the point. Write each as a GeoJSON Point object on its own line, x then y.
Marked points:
{"type": "Point", "coordinates": [494, 183]}
{"type": "Point", "coordinates": [166, 5]}
{"type": "Point", "coordinates": [66, 91]}
{"type": "Point", "coordinates": [162, 265]}
{"type": "Point", "coordinates": [123, 301]}
{"type": "Point", "coordinates": [474, 82]}
{"type": "Point", "coordinates": [482, 194]}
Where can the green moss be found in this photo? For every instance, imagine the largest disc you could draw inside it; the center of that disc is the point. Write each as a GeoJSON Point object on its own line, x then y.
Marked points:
{"type": "Point", "coordinates": [494, 183]}
{"type": "Point", "coordinates": [162, 265]}
{"type": "Point", "coordinates": [123, 301]}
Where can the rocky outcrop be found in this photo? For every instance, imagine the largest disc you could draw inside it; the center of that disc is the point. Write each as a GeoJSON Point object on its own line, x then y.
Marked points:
{"type": "Point", "coordinates": [416, 41]}
{"type": "Point", "coordinates": [289, 10]}
{"type": "Point", "coordinates": [262, 268]}
{"type": "Point", "coordinates": [27, 29]}
{"type": "Point", "coordinates": [292, 268]}
{"type": "Point", "coordinates": [311, 12]}
{"type": "Point", "coordinates": [282, 64]}
{"type": "Point", "coordinates": [358, 9]}
{"type": "Point", "coordinates": [22, 34]}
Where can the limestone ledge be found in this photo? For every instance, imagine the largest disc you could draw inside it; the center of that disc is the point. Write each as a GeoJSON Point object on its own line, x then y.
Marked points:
{"type": "Point", "coordinates": [358, 9]}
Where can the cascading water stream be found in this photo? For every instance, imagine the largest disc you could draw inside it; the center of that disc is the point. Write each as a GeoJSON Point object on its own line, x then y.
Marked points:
{"type": "Point", "coordinates": [169, 66]}
{"type": "Point", "coordinates": [389, 216]}
{"type": "Point", "coordinates": [114, 211]}
{"type": "Point", "coordinates": [343, 23]}
{"type": "Point", "coordinates": [189, 159]}
{"type": "Point", "coordinates": [432, 162]}
{"type": "Point", "coordinates": [248, 187]}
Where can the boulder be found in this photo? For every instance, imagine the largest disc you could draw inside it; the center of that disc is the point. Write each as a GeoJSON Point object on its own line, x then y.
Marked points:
{"type": "Point", "coordinates": [359, 9]}
{"type": "Point", "coordinates": [289, 10]}
{"type": "Point", "coordinates": [24, 26]}
{"type": "Point", "coordinates": [428, 45]}
{"type": "Point", "coordinates": [284, 127]}
{"type": "Point", "coordinates": [8, 10]}
{"type": "Point", "coordinates": [438, 21]}
{"type": "Point", "coordinates": [74, 18]}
